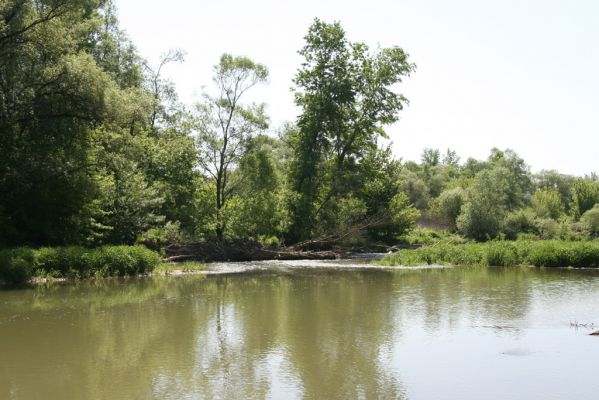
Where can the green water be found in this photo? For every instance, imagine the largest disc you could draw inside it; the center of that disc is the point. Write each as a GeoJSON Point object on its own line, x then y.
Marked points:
{"type": "Point", "coordinates": [306, 332]}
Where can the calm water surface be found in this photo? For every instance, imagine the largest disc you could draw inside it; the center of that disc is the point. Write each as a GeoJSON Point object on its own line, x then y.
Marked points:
{"type": "Point", "coordinates": [297, 330]}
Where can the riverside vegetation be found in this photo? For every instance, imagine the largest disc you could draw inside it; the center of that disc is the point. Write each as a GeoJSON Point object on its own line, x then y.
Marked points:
{"type": "Point", "coordinates": [98, 157]}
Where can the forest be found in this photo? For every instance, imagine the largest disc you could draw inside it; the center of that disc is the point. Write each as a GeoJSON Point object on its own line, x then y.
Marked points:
{"type": "Point", "coordinates": [97, 150]}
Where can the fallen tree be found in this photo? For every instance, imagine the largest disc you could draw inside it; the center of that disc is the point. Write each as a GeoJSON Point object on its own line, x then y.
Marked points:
{"type": "Point", "coordinates": [240, 250]}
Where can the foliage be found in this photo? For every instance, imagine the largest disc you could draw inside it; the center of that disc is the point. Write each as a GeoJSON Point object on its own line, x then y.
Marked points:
{"type": "Point", "coordinates": [16, 265]}
{"type": "Point", "coordinates": [519, 221]}
{"type": "Point", "coordinates": [449, 204]}
{"type": "Point", "coordinates": [97, 149]}
{"type": "Point", "coordinates": [80, 138]}
{"type": "Point", "coordinates": [345, 94]}
{"type": "Point", "coordinates": [486, 204]}
{"type": "Point", "coordinates": [502, 253]}
{"type": "Point", "coordinates": [427, 237]}
{"type": "Point", "coordinates": [19, 265]}
{"type": "Point", "coordinates": [585, 194]}
{"type": "Point", "coordinates": [225, 125]}
{"type": "Point", "coordinates": [590, 219]}
{"type": "Point", "coordinates": [547, 203]}
{"type": "Point", "coordinates": [553, 180]}
{"type": "Point", "coordinates": [257, 206]}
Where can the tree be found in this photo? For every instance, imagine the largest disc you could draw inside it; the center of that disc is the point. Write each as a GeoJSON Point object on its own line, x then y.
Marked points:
{"type": "Point", "coordinates": [225, 125]}
{"type": "Point", "coordinates": [518, 183]}
{"type": "Point", "coordinates": [163, 91]}
{"type": "Point", "coordinates": [256, 209]}
{"type": "Point", "coordinates": [53, 93]}
{"type": "Point", "coordinates": [449, 204]}
{"type": "Point", "coordinates": [553, 180]}
{"type": "Point", "coordinates": [547, 203]}
{"type": "Point", "coordinates": [585, 194]}
{"type": "Point", "coordinates": [487, 200]}
{"type": "Point", "coordinates": [590, 219]}
{"type": "Point", "coordinates": [346, 97]}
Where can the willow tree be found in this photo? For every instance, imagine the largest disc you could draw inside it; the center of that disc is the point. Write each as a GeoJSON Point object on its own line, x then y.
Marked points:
{"type": "Point", "coordinates": [345, 92]}
{"type": "Point", "coordinates": [225, 125]}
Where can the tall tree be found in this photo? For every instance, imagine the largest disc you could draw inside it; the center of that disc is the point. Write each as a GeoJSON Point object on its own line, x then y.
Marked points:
{"type": "Point", "coordinates": [163, 90]}
{"type": "Point", "coordinates": [345, 93]}
{"type": "Point", "coordinates": [52, 94]}
{"type": "Point", "coordinates": [225, 125]}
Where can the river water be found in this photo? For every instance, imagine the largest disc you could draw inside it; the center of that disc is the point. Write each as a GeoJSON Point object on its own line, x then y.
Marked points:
{"type": "Point", "coordinates": [311, 329]}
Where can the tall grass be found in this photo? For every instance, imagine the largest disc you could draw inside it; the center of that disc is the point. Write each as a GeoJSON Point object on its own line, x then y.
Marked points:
{"type": "Point", "coordinates": [19, 265]}
{"type": "Point", "coordinates": [541, 253]}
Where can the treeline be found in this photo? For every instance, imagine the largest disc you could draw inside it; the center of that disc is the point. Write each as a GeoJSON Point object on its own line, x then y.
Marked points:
{"type": "Point", "coordinates": [500, 197]}
{"type": "Point", "coordinates": [96, 148]}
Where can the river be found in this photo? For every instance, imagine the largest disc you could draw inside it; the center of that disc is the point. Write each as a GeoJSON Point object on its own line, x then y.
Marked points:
{"type": "Point", "coordinates": [311, 329]}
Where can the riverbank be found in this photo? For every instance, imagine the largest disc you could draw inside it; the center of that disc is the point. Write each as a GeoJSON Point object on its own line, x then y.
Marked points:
{"type": "Point", "coordinates": [538, 253]}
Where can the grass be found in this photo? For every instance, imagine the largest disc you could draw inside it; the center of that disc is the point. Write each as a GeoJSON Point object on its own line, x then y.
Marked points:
{"type": "Point", "coordinates": [167, 268]}
{"type": "Point", "coordinates": [540, 253]}
{"type": "Point", "coordinates": [20, 265]}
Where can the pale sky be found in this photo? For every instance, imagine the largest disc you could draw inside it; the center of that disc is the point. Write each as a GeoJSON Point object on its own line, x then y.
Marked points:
{"type": "Point", "coordinates": [498, 73]}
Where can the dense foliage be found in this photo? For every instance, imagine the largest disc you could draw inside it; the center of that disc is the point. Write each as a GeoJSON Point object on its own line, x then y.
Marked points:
{"type": "Point", "coordinates": [19, 265]}
{"type": "Point", "coordinates": [96, 149]}
{"type": "Point", "coordinates": [545, 253]}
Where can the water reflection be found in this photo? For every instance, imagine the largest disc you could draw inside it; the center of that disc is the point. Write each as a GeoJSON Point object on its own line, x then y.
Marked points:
{"type": "Point", "coordinates": [302, 334]}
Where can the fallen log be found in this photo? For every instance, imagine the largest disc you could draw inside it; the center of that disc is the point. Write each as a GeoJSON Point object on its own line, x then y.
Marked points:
{"type": "Point", "coordinates": [240, 250]}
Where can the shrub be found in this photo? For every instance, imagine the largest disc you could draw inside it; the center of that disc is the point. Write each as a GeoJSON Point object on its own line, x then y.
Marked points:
{"type": "Point", "coordinates": [548, 228]}
{"type": "Point", "coordinates": [21, 264]}
{"type": "Point", "coordinates": [521, 221]}
{"type": "Point", "coordinates": [547, 203]}
{"type": "Point", "coordinates": [550, 253]}
{"type": "Point", "coordinates": [449, 204]}
{"type": "Point", "coordinates": [590, 220]}
{"type": "Point", "coordinates": [16, 265]}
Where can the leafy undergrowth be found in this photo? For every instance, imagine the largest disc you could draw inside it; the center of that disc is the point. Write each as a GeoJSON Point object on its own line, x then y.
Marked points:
{"type": "Point", "coordinates": [20, 265]}
{"type": "Point", "coordinates": [427, 237]}
{"type": "Point", "coordinates": [550, 253]}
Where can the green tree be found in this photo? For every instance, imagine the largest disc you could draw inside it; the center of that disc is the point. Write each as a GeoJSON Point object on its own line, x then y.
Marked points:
{"type": "Point", "coordinates": [486, 204]}
{"type": "Point", "coordinates": [53, 94]}
{"type": "Point", "coordinates": [547, 203]}
{"type": "Point", "coordinates": [165, 107]}
{"type": "Point", "coordinates": [585, 194]}
{"type": "Point", "coordinates": [257, 208]}
{"type": "Point", "coordinates": [225, 125]}
{"type": "Point", "coordinates": [553, 180]}
{"type": "Point", "coordinates": [518, 184]}
{"type": "Point", "coordinates": [346, 97]}
{"type": "Point", "coordinates": [449, 204]}
{"type": "Point", "coordinates": [590, 219]}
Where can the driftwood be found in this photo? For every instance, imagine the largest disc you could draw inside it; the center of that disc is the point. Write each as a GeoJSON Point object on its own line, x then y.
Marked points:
{"type": "Point", "coordinates": [331, 240]}
{"type": "Point", "coordinates": [240, 250]}
{"type": "Point", "coordinates": [596, 333]}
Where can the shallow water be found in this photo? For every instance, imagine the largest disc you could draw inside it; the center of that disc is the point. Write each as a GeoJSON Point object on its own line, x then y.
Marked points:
{"type": "Point", "coordinates": [317, 330]}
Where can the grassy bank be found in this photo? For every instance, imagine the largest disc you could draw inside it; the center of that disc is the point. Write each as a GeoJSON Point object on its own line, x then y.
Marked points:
{"type": "Point", "coordinates": [550, 253]}
{"type": "Point", "coordinates": [20, 265]}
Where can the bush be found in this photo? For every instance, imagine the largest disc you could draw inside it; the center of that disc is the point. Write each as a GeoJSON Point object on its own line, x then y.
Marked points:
{"type": "Point", "coordinates": [548, 228]}
{"type": "Point", "coordinates": [16, 265]}
{"type": "Point", "coordinates": [590, 220]}
{"type": "Point", "coordinates": [539, 253]}
{"type": "Point", "coordinates": [21, 264]}
{"type": "Point", "coordinates": [449, 204]}
{"type": "Point", "coordinates": [158, 237]}
{"type": "Point", "coordinates": [516, 222]}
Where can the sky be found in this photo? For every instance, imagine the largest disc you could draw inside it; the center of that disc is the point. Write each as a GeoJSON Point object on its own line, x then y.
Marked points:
{"type": "Point", "coordinates": [509, 74]}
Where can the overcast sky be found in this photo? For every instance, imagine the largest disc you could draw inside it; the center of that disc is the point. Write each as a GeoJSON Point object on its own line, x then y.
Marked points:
{"type": "Point", "coordinates": [506, 73]}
